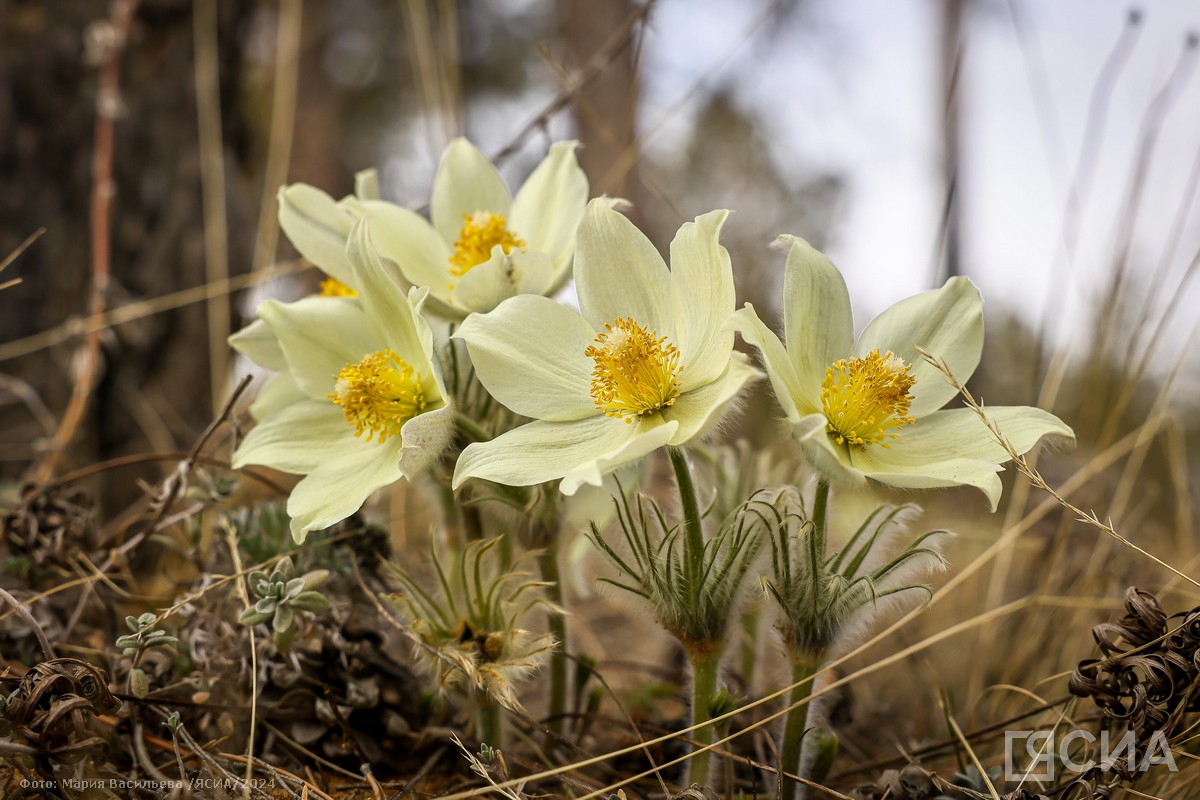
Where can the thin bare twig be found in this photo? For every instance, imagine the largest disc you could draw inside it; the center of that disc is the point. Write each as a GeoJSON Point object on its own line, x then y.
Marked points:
{"type": "Point", "coordinates": [593, 69]}
{"type": "Point", "coordinates": [108, 104]}
{"type": "Point", "coordinates": [25, 614]}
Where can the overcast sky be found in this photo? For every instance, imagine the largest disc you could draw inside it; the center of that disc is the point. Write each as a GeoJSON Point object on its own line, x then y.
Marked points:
{"type": "Point", "coordinates": [856, 87]}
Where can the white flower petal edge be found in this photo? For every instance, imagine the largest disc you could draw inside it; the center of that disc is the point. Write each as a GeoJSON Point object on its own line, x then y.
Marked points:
{"type": "Point", "coordinates": [579, 452]}
{"type": "Point", "coordinates": [466, 182]}
{"type": "Point", "coordinates": [529, 353]}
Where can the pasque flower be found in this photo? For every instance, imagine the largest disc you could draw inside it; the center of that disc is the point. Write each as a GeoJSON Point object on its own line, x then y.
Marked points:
{"type": "Point", "coordinates": [643, 363]}
{"type": "Point", "coordinates": [874, 409]}
{"type": "Point", "coordinates": [482, 246]}
{"type": "Point", "coordinates": [373, 407]}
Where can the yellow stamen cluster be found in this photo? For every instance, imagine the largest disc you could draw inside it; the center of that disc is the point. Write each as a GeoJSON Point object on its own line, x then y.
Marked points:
{"type": "Point", "coordinates": [332, 287]}
{"type": "Point", "coordinates": [480, 233]}
{"type": "Point", "coordinates": [865, 400]}
{"type": "Point", "coordinates": [379, 394]}
{"type": "Point", "coordinates": [636, 372]}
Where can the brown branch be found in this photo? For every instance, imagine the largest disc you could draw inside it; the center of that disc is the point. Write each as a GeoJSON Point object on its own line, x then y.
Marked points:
{"type": "Point", "coordinates": [112, 37]}
{"type": "Point", "coordinates": [593, 69]}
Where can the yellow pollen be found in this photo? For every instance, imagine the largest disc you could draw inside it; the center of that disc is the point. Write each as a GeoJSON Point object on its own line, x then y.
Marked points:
{"type": "Point", "coordinates": [379, 394]}
{"type": "Point", "coordinates": [480, 233]}
{"type": "Point", "coordinates": [332, 287]}
{"type": "Point", "coordinates": [865, 400]}
{"type": "Point", "coordinates": [636, 372]}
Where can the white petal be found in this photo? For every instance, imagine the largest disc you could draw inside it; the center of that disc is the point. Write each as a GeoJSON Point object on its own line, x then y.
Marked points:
{"type": "Point", "coordinates": [340, 486]}
{"type": "Point", "coordinates": [948, 322]}
{"type": "Point", "coordinates": [503, 276]}
{"type": "Point", "coordinates": [776, 361]}
{"type": "Point", "coordinates": [529, 354]}
{"type": "Point", "coordinates": [548, 207]}
{"type": "Point", "coordinates": [959, 433]}
{"type": "Point", "coordinates": [579, 452]}
{"type": "Point", "coordinates": [257, 342]}
{"type": "Point", "coordinates": [317, 227]}
{"type": "Point", "coordinates": [319, 336]}
{"type": "Point", "coordinates": [298, 438]}
{"type": "Point", "coordinates": [877, 464]}
{"type": "Point", "coordinates": [410, 242]}
{"type": "Point", "coordinates": [385, 302]}
{"type": "Point", "coordinates": [618, 273]}
{"type": "Point", "coordinates": [466, 182]}
{"type": "Point", "coordinates": [280, 390]}
{"type": "Point", "coordinates": [701, 409]}
{"type": "Point", "coordinates": [702, 298]}
{"type": "Point", "coordinates": [818, 325]}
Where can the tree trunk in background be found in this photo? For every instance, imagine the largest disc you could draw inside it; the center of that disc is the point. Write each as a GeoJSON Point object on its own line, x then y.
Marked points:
{"type": "Point", "coordinates": [951, 53]}
{"type": "Point", "coordinates": [606, 113]}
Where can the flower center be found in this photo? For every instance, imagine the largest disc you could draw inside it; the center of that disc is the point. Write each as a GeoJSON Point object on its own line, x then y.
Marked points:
{"type": "Point", "coordinates": [865, 399]}
{"type": "Point", "coordinates": [480, 233]}
{"type": "Point", "coordinates": [636, 372]}
{"type": "Point", "coordinates": [379, 394]}
{"type": "Point", "coordinates": [332, 287]}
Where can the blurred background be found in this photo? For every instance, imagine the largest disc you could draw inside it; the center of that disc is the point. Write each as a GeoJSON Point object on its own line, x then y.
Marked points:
{"type": "Point", "coordinates": [1048, 151]}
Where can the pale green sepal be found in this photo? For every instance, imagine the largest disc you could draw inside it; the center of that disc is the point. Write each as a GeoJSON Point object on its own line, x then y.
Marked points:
{"type": "Point", "coordinates": [795, 402]}
{"type": "Point", "coordinates": [543, 451]}
{"type": "Point", "coordinates": [548, 207]}
{"type": "Point", "coordinates": [319, 336]}
{"type": "Point", "coordinates": [701, 291]}
{"type": "Point", "coordinates": [317, 227]}
{"type": "Point", "coordinates": [948, 323]}
{"type": "Point", "coordinates": [618, 273]}
{"type": "Point", "coordinates": [278, 391]}
{"type": "Point", "coordinates": [502, 276]}
{"type": "Point", "coordinates": [338, 487]}
{"type": "Point", "coordinates": [257, 342]}
{"type": "Point", "coordinates": [529, 353]}
{"type": "Point", "coordinates": [818, 324]}
{"type": "Point", "coordinates": [466, 183]}
{"type": "Point", "coordinates": [297, 438]}
{"type": "Point", "coordinates": [699, 411]}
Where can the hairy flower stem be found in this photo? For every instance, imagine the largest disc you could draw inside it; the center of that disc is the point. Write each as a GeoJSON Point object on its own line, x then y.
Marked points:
{"type": "Point", "coordinates": [705, 665]}
{"type": "Point", "coordinates": [793, 729]}
{"type": "Point", "coordinates": [706, 656]}
{"type": "Point", "coordinates": [693, 535]}
{"type": "Point", "coordinates": [548, 562]}
{"type": "Point", "coordinates": [489, 726]}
